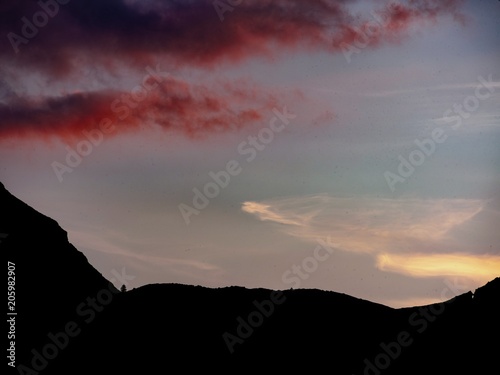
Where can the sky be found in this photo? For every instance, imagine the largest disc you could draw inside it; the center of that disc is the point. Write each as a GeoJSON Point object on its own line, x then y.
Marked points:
{"type": "Point", "coordinates": [345, 145]}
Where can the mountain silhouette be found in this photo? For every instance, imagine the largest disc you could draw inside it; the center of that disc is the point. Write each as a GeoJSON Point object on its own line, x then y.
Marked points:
{"type": "Point", "coordinates": [71, 320]}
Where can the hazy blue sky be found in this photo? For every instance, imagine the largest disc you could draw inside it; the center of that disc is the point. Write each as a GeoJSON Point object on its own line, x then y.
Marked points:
{"type": "Point", "coordinates": [326, 198]}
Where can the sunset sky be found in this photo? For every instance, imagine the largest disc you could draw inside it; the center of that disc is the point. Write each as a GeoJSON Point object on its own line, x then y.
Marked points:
{"type": "Point", "coordinates": [345, 145]}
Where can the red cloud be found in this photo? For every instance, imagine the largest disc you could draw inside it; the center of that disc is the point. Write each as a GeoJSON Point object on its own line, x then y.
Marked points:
{"type": "Point", "coordinates": [192, 110]}
{"type": "Point", "coordinates": [390, 23]}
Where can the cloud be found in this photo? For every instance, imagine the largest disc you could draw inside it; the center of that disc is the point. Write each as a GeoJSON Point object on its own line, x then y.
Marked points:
{"type": "Point", "coordinates": [174, 105]}
{"type": "Point", "coordinates": [480, 268]}
{"type": "Point", "coordinates": [368, 225]}
{"type": "Point", "coordinates": [118, 38]}
{"type": "Point", "coordinates": [121, 248]}
{"type": "Point", "coordinates": [410, 236]}
{"type": "Point", "coordinates": [265, 213]}
{"type": "Point", "coordinates": [419, 90]}
{"type": "Point", "coordinates": [119, 32]}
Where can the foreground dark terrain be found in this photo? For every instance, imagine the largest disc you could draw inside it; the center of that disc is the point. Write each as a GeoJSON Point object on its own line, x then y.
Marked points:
{"type": "Point", "coordinates": [71, 320]}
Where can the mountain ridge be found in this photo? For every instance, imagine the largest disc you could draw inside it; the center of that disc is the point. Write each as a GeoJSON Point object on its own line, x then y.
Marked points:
{"type": "Point", "coordinates": [61, 296]}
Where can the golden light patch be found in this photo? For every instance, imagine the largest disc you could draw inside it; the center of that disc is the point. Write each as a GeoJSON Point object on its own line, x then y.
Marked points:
{"type": "Point", "coordinates": [476, 267]}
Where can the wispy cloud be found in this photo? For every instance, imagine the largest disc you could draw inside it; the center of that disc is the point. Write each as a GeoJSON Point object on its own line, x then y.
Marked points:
{"type": "Point", "coordinates": [367, 224]}
{"type": "Point", "coordinates": [427, 89]}
{"type": "Point", "coordinates": [121, 247]}
{"type": "Point", "coordinates": [411, 236]}
{"type": "Point", "coordinates": [266, 213]}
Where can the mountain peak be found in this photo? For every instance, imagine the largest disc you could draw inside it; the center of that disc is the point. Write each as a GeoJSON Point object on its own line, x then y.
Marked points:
{"type": "Point", "coordinates": [489, 292]}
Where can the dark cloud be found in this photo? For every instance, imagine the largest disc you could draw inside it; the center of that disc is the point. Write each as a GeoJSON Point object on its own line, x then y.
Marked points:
{"type": "Point", "coordinates": [191, 32]}
{"type": "Point", "coordinates": [192, 110]}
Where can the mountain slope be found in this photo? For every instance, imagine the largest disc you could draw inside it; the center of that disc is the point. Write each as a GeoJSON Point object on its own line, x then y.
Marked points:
{"type": "Point", "coordinates": [51, 277]}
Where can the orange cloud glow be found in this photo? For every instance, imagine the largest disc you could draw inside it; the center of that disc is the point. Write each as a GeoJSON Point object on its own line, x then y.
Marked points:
{"type": "Point", "coordinates": [480, 268]}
